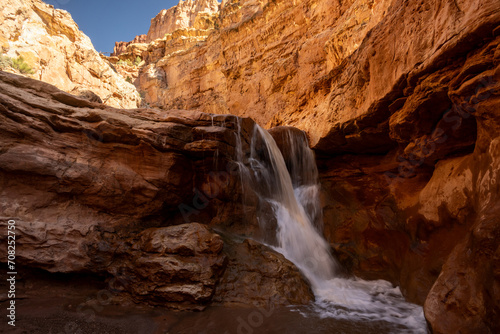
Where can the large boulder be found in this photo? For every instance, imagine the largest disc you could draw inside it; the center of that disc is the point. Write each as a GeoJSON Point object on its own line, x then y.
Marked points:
{"type": "Point", "coordinates": [260, 276]}
{"type": "Point", "coordinates": [176, 266]}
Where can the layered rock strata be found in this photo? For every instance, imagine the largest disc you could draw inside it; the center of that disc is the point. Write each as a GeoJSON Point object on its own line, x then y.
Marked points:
{"type": "Point", "coordinates": [390, 98]}
{"type": "Point", "coordinates": [287, 63]}
{"type": "Point", "coordinates": [410, 188]}
{"type": "Point", "coordinates": [260, 58]}
{"type": "Point", "coordinates": [400, 101]}
{"type": "Point", "coordinates": [121, 47]}
{"type": "Point", "coordinates": [129, 62]}
{"type": "Point", "coordinates": [57, 52]}
{"type": "Point", "coordinates": [118, 192]}
{"type": "Point", "coordinates": [196, 14]}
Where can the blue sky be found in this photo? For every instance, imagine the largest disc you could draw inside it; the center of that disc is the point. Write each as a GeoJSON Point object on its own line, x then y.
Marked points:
{"type": "Point", "coordinates": [109, 21]}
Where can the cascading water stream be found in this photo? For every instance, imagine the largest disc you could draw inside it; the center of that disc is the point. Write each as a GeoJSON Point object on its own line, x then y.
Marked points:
{"type": "Point", "coordinates": [297, 238]}
{"type": "Point", "coordinates": [293, 195]}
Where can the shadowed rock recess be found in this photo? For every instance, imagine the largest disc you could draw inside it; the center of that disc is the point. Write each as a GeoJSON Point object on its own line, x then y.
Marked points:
{"type": "Point", "coordinates": [400, 100]}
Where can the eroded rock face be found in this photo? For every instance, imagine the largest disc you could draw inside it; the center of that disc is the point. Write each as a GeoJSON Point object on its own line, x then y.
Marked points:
{"type": "Point", "coordinates": [264, 58]}
{"type": "Point", "coordinates": [266, 276]}
{"type": "Point", "coordinates": [410, 196]}
{"type": "Point", "coordinates": [51, 43]}
{"type": "Point", "coordinates": [121, 47]}
{"type": "Point", "coordinates": [128, 62]}
{"type": "Point", "coordinates": [287, 63]}
{"type": "Point", "coordinates": [88, 165]}
{"type": "Point", "coordinates": [118, 192]}
{"type": "Point", "coordinates": [465, 295]}
{"type": "Point", "coordinates": [393, 122]}
{"type": "Point", "coordinates": [177, 266]}
{"type": "Point", "coordinates": [399, 99]}
{"type": "Point", "coordinates": [187, 14]}
{"type": "Point", "coordinates": [407, 152]}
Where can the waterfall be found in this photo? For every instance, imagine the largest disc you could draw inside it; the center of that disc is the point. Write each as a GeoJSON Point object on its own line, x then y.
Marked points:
{"type": "Point", "coordinates": [290, 188]}
{"type": "Point", "coordinates": [297, 237]}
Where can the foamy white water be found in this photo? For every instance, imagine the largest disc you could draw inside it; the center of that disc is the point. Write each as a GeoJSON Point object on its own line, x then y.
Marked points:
{"type": "Point", "coordinates": [356, 299]}
{"type": "Point", "coordinates": [296, 206]}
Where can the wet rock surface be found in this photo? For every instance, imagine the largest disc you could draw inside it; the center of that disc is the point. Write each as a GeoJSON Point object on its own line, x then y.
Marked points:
{"type": "Point", "coordinates": [176, 266]}
{"type": "Point", "coordinates": [408, 188]}
{"type": "Point", "coordinates": [263, 274]}
{"type": "Point", "coordinates": [117, 193]}
{"type": "Point", "coordinates": [50, 302]}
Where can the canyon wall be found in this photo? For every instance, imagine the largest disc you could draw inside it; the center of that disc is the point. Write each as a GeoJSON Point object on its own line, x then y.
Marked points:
{"type": "Point", "coordinates": [121, 47]}
{"type": "Point", "coordinates": [57, 52]}
{"type": "Point", "coordinates": [261, 59]}
{"type": "Point", "coordinates": [196, 14]}
{"type": "Point", "coordinates": [420, 206]}
{"type": "Point", "coordinates": [399, 100]}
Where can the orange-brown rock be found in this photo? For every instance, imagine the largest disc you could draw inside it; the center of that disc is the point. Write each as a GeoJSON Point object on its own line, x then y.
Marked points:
{"type": "Point", "coordinates": [287, 63]}
{"type": "Point", "coordinates": [411, 189]}
{"type": "Point", "coordinates": [121, 47]}
{"type": "Point", "coordinates": [387, 93]}
{"type": "Point", "coordinates": [129, 62]}
{"type": "Point", "coordinates": [465, 295]}
{"type": "Point", "coordinates": [88, 165]}
{"type": "Point", "coordinates": [257, 271]}
{"type": "Point", "coordinates": [57, 52]}
{"type": "Point", "coordinates": [399, 100]}
{"type": "Point", "coordinates": [118, 192]}
{"type": "Point", "coordinates": [177, 266]}
{"type": "Point", "coordinates": [396, 126]}
{"type": "Point", "coordinates": [260, 56]}
{"type": "Point", "coordinates": [187, 14]}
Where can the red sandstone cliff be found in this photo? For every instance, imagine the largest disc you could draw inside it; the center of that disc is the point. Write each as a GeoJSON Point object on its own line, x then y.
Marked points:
{"type": "Point", "coordinates": [187, 14]}
{"type": "Point", "coordinates": [121, 47]}
{"type": "Point", "coordinates": [98, 189]}
{"type": "Point", "coordinates": [400, 100]}
{"type": "Point", "coordinates": [54, 50]}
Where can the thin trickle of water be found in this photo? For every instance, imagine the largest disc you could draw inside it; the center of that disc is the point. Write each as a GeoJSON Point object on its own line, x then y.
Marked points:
{"type": "Point", "coordinates": [239, 146]}
{"type": "Point", "coordinates": [293, 195]}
